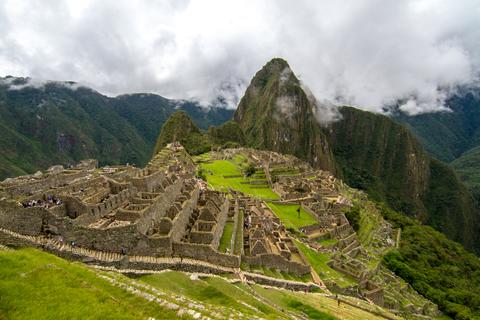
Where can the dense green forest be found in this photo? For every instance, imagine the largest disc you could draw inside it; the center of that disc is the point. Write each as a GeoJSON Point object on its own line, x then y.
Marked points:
{"type": "Point", "coordinates": [438, 268]}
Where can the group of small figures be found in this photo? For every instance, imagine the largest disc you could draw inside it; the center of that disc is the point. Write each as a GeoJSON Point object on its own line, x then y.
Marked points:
{"type": "Point", "coordinates": [51, 201]}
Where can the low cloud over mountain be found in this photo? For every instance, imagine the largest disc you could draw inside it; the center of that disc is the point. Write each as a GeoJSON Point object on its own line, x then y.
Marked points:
{"type": "Point", "coordinates": [367, 53]}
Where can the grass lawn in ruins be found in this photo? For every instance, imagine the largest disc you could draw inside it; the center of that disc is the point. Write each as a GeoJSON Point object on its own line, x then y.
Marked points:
{"type": "Point", "coordinates": [289, 216]}
{"type": "Point", "coordinates": [216, 171]}
{"type": "Point", "coordinates": [226, 239]}
{"type": "Point", "coordinates": [202, 157]}
{"type": "Point", "coordinates": [239, 235]}
{"type": "Point", "coordinates": [318, 261]}
{"type": "Point", "coordinates": [38, 285]}
{"type": "Point", "coordinates": [328, 242]}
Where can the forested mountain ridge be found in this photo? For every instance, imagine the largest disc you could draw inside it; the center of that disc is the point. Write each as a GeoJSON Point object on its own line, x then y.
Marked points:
{"type": "Point", "coordinates": [380, 156]}
{"type": "Point", "coordinates": [62, 122]}
{"type": "Point", "coordinates": [448, 134]}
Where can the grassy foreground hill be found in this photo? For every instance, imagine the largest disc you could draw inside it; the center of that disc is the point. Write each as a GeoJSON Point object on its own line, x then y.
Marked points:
{"type": "Point", "coordinates": [37, 285]}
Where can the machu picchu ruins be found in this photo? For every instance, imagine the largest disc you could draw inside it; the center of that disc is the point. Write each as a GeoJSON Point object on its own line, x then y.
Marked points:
{"type": "Point", "coordinates": [171, 215]}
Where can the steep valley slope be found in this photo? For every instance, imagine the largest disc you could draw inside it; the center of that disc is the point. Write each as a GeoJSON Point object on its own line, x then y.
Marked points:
{"type": "Point", "coordinates": [452, 135]}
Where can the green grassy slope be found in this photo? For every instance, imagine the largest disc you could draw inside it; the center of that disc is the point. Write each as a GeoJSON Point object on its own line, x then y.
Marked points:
{"type": "Point", "coordinates": [36, 285]}
{"type": "Point", "coordinates": [255, 300]}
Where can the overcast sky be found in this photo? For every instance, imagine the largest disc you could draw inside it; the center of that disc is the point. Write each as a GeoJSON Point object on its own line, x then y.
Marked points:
{"type": "Point", "coordinates": [366, 53]}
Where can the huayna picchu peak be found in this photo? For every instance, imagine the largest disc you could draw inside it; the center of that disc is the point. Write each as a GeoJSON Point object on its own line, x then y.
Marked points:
{"type": "Point", "coordinates": [276, 114]}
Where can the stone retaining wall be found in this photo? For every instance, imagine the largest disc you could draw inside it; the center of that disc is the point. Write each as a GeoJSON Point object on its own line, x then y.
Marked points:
{"type": "Point", "coordinates": [289, 285]}
{"type": "Point", "coordinates": [236, 224]}
{"type": "Point", "coordinates": [141, 263]}
{"type": "Point", "coordinates": [205, 253]}
{"type": "Point", "coordinates": [277, 262]}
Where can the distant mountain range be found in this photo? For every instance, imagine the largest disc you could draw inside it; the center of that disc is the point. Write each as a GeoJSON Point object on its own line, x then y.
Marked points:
{"type": "Point", "coordinates": [61, 122]}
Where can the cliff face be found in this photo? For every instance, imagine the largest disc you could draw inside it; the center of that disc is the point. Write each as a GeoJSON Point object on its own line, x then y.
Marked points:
{"type": "Point", "coordinates": [378, 155]}
{"type": "Point", "coordinates": [276, 114]}
{"type": "Point", "coordinates": [381, 156]}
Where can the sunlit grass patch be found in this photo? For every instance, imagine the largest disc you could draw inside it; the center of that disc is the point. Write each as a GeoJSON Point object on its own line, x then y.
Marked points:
{"type": "Point", "coordinates": [290, 217]}
{"type": "Point", "coordinates": [224, 174]}
{"type": "Point", "coordinates": [38, 285]}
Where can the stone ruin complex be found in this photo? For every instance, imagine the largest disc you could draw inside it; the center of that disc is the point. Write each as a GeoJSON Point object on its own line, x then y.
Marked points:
{"type": "Point", "coordinates": [163, 216]}
{"type": "Point", "coordinates": [162, 210]}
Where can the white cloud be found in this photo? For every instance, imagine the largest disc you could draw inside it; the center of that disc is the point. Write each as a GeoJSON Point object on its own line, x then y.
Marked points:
{"type": "Point", "coordinates": [14, 83]}
{"type": "Point", "coordinates": [370, 53]}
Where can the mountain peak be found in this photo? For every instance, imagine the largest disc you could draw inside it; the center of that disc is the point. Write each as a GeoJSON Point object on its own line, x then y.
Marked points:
{"type": "Point", "coordinates": [276, 64]}
{"type": "Point", "coordinates": [180, 127]}
{"type": "Point", "coordinates": [275, 69]}
{"type": "Point", "coordinates": [275, 113]}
